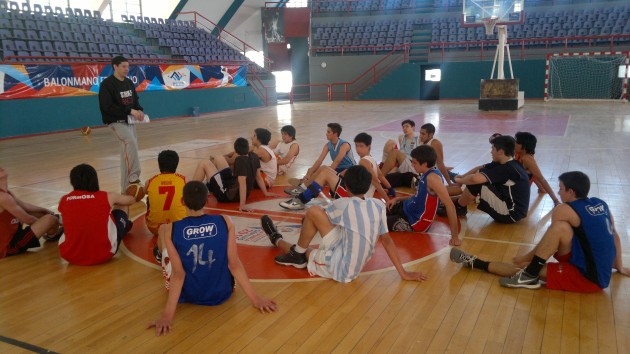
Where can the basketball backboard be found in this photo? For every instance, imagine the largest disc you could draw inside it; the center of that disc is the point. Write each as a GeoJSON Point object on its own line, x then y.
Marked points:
{"type": "Point", "coordinates": [506, 12]}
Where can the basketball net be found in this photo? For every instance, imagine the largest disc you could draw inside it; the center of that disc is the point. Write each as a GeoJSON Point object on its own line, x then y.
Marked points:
{"type": "Point", "coordinates": [489, 23]}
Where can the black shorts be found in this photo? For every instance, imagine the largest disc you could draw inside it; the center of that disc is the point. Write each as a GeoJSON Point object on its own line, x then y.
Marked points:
{"type": "Point", "coordinates": [395, 213]}
{"type": "Point", "coordinates": [491, 202]}
{"type": "Point", "coordinates": [220, 183]}
{"type": "Point", "coordinates": [397, 179]}
{"type": "Point", "coordinates": [22, 240]}
{"type": "Point", "coordinates": [123, 224]}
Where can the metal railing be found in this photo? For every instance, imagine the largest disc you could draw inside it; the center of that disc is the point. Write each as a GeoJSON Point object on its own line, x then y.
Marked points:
{"type": "Point", "coordinates": [258, 86]}
{"type": "Point", "coordinates": [313, 93]}
{"type": "Point", "coordinates": [369, 77]}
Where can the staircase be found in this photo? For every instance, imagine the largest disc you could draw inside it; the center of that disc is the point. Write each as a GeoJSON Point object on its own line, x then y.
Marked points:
{"type": "Point", "coordinates": [420, 43]}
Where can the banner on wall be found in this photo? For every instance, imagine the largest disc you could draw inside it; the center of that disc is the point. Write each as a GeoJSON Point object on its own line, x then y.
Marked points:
{"type": "Point", "coordinates": [36, 81]}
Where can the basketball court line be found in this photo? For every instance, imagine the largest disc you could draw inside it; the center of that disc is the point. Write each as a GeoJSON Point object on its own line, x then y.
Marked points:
{"type": "Point", "coordinates": [24, 345]}
{"type": "Point", "coordinates": [152, 153]}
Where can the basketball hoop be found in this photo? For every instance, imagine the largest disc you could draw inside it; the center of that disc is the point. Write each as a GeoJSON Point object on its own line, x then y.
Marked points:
{"type": "Point", "coordinates": [489, 23]}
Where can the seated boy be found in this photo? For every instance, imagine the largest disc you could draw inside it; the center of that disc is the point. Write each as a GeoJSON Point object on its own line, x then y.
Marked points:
{"type": "Point", "coordinates": [286, 150]}
{"type": "Point", "coordinates": [582, 238]}
{"type": "Point", "coordinates": [399, 155]}
{"type": "Point", "coordinates": [327, 176]}
{"type": "Point", "coordinates": [340, 153]}
{"type": "Point", "coordinates": [503, 185]}
{"type": "Point", "coordinates": [268, 160]}
{"type": "Point", "coordinates": [417, 212]}
{"type": "Point", "coordinates": [14, 213]}
{"type": "Point", "coordinates": [164, 193]}
{"type": "Point", "coordinates": [93, 220]}
{"type": "Point", "coordinates": [200, 260]}
{"type": "Point", "coordinates": [229, 185]}
{"type": "Point", "coordinates": [350, 228]}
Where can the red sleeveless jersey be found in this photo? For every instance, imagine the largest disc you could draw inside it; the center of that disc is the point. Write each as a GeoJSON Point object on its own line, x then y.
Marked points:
{"type": "Point", "coordinates": [89, 229]}
{"type": "Point", "coordinates": [9, 225]}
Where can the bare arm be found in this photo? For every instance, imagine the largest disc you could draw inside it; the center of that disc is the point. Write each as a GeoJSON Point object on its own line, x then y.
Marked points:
{"type": "Point", "coordinates": [392, 253]}
{"type": "Point", "coordinates": [240, 275]}
{"type": "Point", "coordinates": [530, 164]}
{"type": "Point", "coordinates": [120, 199]}
{"type": "Point", "coordinates": [242, 190]}
{"type": "Point", "coordinates": [473, 170]}
{"type": "Point", "coordinates": [293, 151]}
{"type": "Point", "coordinates": [30, 208]}
{"type": "Point", "coordinates": [164, 324]}
{"type": "Point", "coordinates": [395, 200]}
{"type": "Point", "coordinates": [375, 181]}
{"type": "Point", "coordinates": [262, 154]}
{"type": "Point", "coordinates": [440, 161]}
{"type": "Point", "coordinates": [317, 163]}
{"type": "Point", "coordinates": [11, 204]}
{"type": "Point", "coordinates": [343, 150]}
{"type": "Point", "coordinates": [476, 178]}
{"type": "Point", "coordinates": [435, 184]}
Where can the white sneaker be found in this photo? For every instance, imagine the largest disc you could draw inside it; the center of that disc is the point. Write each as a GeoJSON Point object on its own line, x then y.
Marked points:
{"type": "Point", "coordinates": [293, 204]}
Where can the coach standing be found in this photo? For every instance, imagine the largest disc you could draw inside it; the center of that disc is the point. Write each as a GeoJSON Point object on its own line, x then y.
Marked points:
{"type": "Point", "coordinates": [118, 100]}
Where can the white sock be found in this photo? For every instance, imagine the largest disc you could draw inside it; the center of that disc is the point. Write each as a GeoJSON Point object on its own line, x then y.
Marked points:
{"type": "Point", "coordinates": [303, 186]}
{"type": "Point", "coordinates": [299, 249]}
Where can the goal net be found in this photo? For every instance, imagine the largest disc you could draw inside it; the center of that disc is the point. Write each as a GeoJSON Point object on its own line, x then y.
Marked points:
{"type": "Point", "coordinates": [587, 76]}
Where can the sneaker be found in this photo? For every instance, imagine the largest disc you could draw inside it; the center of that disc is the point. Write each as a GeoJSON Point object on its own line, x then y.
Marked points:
{"type": "Point", "coordinates": [401, 225]}
{"type": "Point", "coordinates": [270, 229]}
{"type": "Point", "coordinates": [461, 257]}
{"type": "Point", "coordinates": [294, 192]}
{"type": "Point", "coordinates": [293, 204]}
{"type": "Point", "coordinates": [520, 280]}
{"type": "Point", "coordinates": [460, 210]}
{"type": "Point", "coordinates": [157, 254]}
{"type": "Point", "coordinates": [414, 183]}
{"type": "Point", "coordinates": [298, 260]}
{"type": "Point", "coordinates": [295, 181]}
{"type": "Point", "coordinates": [55, 237]}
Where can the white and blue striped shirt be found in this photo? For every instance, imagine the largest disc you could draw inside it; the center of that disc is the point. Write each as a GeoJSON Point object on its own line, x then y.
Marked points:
{"type": "Point", "coordinates": [363, 222]}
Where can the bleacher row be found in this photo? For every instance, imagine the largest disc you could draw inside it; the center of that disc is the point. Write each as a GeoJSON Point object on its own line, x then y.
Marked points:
{"type": "Point", "coordinates": [384, 34]}
{"type": "Point", "coordinates": [361, 6]}
{"type": "Point", "coordinates": [363, 33]}
{"type": "Point", "coordinates": [587, 22]}
{"type": "Point", "coordinates": [73, 34]}
{"type": "Point", "coordinates": [194, 44]}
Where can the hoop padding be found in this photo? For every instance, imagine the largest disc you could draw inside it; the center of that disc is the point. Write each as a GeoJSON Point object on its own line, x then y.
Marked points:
{"type": "Point", "coordinates": [489, 23]}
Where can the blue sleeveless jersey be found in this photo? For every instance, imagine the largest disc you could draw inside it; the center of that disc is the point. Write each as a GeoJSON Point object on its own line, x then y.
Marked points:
{"type": "Point", "coordinates": [201, 242]}
{"type": "Point", "coordinates": [422, 205]}
{"type": "Point", "coordinates": [347, 161]}
{"type": "Point", "coordinates": [593, 248]}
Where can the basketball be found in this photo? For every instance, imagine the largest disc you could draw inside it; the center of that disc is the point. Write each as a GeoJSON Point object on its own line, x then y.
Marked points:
{"type": "Point", "coordinates": [136, 190]}
{"type": "Point", "coordinates": [86, 130]}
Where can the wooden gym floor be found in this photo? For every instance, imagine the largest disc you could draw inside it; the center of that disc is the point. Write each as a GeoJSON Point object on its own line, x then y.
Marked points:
{"type": "Point", "coordinates": [105, 308]}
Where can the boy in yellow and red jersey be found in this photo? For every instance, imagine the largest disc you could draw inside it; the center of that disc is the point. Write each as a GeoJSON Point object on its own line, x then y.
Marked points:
{"type": "Point", "coordinates": [164, 193]}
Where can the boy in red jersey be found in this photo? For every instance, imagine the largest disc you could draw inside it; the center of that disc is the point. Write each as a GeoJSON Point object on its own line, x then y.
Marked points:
{"type": "Point", "coordinates": [14, 212]}
{"type": "Point", "coordinates": [93, 230]}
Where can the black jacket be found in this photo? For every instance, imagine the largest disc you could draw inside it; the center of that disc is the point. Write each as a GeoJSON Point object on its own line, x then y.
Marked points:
{"type": "Point", "coordinates": [116, 99]}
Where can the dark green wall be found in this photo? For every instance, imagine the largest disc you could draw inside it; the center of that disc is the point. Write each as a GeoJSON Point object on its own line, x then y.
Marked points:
{"type": "Point", "coordinates": [298, 55]}
{"type": "Point", "coordinates": [42, 115]}
{"type": "Point", "coordinates": [462, 79]}
{"type": "Point", "coordinates": [402, 83]}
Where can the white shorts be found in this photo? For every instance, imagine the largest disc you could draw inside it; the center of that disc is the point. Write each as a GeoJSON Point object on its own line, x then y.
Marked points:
{"type": "Point", "coordinates": [405, 167]}
{"type": "Point", "coordinates": [328, 253]}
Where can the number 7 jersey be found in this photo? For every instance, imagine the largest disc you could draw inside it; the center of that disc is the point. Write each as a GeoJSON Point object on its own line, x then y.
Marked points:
{"type": "Point", "coordinates": [164, 199]}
